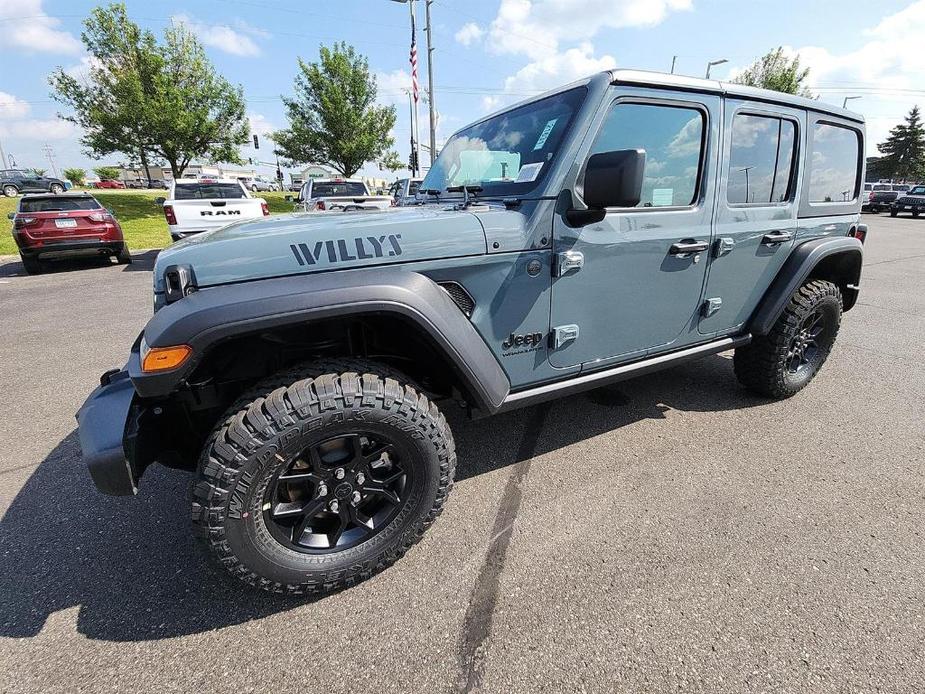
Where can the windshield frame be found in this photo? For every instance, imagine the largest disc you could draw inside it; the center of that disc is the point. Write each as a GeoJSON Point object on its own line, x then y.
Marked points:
{"type": "Point", "coordinates": [523, 189]}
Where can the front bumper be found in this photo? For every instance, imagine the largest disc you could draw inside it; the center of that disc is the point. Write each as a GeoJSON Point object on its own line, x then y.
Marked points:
{"type": "Point", "coordinates": [102, 423]}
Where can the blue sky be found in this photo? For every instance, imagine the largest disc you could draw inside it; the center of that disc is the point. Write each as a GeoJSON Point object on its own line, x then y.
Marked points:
{"type": "Point", "coordinates": [489, 52]}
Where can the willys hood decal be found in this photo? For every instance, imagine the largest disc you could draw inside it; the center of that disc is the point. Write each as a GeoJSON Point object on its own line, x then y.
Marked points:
{"type": "Point", "coordinates": [300, 243]}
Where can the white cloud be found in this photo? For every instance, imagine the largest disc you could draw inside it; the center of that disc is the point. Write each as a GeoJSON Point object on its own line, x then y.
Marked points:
{"type": "Point", "coordinates": [534, 27]}
{"type": "Point", "coordinates": [491, 103]}
{"type": "Point", "coordinates": [469, 33]}
{"type": "Point", "coordinates": [259, 124]}
{"type": "Point", "coordinates": [81, 71]}
{"type": "Point", "coordinates": [556, 68]}
{"type": "Point", "coordinates": [392, 86]}
{"type": "Point", "coordinates": [39, 129]}
{"type": "Point", "coordinates": [235, 40]}
{"type": "Point", "coordinates": [27, 27]}
{"type": "Point", "coordinates": [12, 107]}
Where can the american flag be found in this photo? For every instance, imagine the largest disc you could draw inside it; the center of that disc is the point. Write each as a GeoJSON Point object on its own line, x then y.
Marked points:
{"type": "Point", "coordinates": [414, 62]}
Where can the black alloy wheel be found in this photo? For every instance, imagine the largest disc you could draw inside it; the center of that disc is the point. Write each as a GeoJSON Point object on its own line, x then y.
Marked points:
{"type": "Point", "coordinates": [804, 348]}
{"type": "Point", "coordinates": [337, 493]}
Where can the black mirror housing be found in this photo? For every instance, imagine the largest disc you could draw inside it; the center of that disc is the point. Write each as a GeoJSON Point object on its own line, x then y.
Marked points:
{"type": "Point", "coordinates": [160, 200]}
{"type": "Point", "coordinates": [614, 179]}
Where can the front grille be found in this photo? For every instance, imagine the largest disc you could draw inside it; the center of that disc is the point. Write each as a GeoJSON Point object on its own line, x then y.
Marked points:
{"type": "Point", "coordinates": [906, 200]}
{"type": "Point", "coordinates": [460, 296]}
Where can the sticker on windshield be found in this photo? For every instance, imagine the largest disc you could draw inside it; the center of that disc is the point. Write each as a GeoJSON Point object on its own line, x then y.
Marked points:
{"type": "Point", "coordinates": [663, 197]}
{"type": "Point", "coordinates": [528, 172]}
{"type": "Point", "coordinates": [545, 134]}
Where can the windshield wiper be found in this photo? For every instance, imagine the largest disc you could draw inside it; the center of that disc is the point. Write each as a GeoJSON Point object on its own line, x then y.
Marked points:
{"type": "Point", "coordinates": [466, 191]}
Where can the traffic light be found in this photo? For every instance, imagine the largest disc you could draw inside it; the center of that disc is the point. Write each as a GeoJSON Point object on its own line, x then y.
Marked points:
{"type": "Point", "coordinates": [256, 142]}
{"type": "Point", "coordinates": [413, 160]}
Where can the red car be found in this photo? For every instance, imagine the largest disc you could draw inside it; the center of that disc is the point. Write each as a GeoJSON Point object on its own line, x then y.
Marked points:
{"type": "Point", "coordinates": [110, 184]}
{"type": "Point", "coordinates": [49, 226]}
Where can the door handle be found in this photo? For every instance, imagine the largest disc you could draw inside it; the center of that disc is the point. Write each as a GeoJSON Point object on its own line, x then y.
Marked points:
{"type": "Point", "coordinates": [688, 247]}
{"type": "Point", "coordinates": [776, 237]}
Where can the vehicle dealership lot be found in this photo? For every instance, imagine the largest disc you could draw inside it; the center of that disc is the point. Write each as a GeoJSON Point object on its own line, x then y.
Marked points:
{"type": "Point", "coordinates": [668, 532]}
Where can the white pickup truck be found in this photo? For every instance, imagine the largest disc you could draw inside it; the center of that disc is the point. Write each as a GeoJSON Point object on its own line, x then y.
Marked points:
{"type": "Point", "coordinates": [342, 194]}
{"type": "Point", "coordinates": [203, 204]}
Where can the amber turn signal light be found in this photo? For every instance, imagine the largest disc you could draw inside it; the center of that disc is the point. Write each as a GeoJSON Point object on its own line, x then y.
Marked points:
{"type": "Point", "coordinates": [163, 358]}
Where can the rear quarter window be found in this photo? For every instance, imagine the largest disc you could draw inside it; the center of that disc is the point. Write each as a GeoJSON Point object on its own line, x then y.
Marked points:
{"type": "Point", "coordinates": [834, 164]}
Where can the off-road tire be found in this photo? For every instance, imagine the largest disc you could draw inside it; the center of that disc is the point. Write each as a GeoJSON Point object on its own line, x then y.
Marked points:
{"type": "Point", "coordinates": [32, 266]}
{"type": "Point", "coordinates": [282, 414]}
{"type": "Point", "coordinates": [10, 191]}
{"type": "Point", "coordinates": [762, 365]}
{"type": "Point", "coordinates": [124, 256]}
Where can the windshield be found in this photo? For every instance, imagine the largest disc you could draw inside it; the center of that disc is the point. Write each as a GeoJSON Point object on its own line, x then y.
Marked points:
{"type": "Point", "coordinates": [918, 190]}
{"type": "Point", "coordinates": [58, 204]}
{"type": "Point", "coordinates": [207, 191]}
{"type": "Point", "coordinates": [508, 153]}
{"type": "Point", "coordinates": [413, 187]}
{"type": "Point", "coordinates": [330, 190]}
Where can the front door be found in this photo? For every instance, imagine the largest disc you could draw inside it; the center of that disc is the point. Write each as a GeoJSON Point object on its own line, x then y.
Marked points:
{"type": "Point", "coordinates": [638, 288]}
{"type": "Point", "coordinates": [31, 183]}
{"type": "Point", "coordinates": [756, 210]}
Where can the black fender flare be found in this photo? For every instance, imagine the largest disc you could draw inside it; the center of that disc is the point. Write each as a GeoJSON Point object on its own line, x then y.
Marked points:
{"type": "Point", "coordinates": [206, 317]}
{"type": "Point", "coordinates": [803, 260]}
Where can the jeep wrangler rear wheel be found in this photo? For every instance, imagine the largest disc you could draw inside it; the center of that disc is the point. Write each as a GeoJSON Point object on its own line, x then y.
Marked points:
{"type": "Point", "coordinates": [316, 485]}
{"type": "Point", "coordinates": [784, 361]}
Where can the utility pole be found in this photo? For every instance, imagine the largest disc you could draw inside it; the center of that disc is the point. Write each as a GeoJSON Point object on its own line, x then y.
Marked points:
{"type": "Point", "coordinates": [50, 155]}
{"type": "Point", "coordinates": [674, 59]}
{"type": "Point", "coordinates": [3, 157]}
{"type": "Point", "coordinates": [430, 83]}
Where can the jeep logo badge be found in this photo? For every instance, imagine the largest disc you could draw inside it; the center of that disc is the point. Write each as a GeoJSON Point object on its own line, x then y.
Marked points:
{"type": "Point", "coordinates": [530, 340]}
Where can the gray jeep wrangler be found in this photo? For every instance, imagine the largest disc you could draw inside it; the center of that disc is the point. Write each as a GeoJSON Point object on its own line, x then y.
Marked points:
{"type": "Point", "coordinates": [621, 224]}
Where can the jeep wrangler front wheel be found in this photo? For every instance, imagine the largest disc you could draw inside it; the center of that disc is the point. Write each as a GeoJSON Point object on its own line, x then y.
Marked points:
{"type": "Point", "coordinates": [784, 361]}
{"type": "Point", "coordinates": [313, 486]}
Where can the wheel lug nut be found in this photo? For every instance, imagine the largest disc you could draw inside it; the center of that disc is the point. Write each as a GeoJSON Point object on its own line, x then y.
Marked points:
{"type": "Point", "coordinates": [361, 478]}
{"type": "Point", "coordinates": [334, 505]}
{"type": "Point", "coordinates": [322, 490]}
{"type": "Point", "coordinates": [356, 498]}
{"type": "Point", "coordinates": [339, 473]}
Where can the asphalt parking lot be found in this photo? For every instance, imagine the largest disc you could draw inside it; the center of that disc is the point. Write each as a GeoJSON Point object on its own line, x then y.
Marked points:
{"type": "Point", "coordinates": [671, 533]}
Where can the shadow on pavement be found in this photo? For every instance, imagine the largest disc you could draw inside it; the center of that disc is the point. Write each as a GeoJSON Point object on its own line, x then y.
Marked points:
{"type": "Point", "coordinates": [137, 574]}
{"type": "Point", "coordinates": [141, 261]}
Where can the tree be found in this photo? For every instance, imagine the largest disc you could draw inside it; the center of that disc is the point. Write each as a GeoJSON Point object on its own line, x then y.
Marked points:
{"type": "Point", "coordinates": [107, 173]}
{"type": "Point", "coordinates": [777, 71]}
{"type": "Point", "coordinates": [75, 176]}
{"type": "Point", "coordinates": [904, 150]}
{"type": "Point", "coordinates": [392, 162]}
{"type": "Point", "coordinates": [40, 172]}
{"type": "Point", "coordinates": [333, 116]}
{"type": "Point", "coordinates": [140, 97]}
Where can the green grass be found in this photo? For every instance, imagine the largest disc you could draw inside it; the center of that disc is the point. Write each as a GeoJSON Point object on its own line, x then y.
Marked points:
{"type": "Point", "coordinates": [141, 218]}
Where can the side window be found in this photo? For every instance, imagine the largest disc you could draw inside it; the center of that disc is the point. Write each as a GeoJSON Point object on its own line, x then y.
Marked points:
{"type": "Point", "coordinates": [760, 160]}
{"type": "Point", "coordinates": [833, 164]}
{"type": "Point", "coordinates": [673, 138]}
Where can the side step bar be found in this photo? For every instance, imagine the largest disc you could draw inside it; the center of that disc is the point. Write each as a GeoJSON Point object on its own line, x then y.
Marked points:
{"type": "Point", "coordinates": [623, 372]}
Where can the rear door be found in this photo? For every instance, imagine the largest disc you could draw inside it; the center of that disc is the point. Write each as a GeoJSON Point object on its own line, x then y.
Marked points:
{"type": "Point", "coordinates": [637, 290]}
{"type": "Point", "coordinates": [756, 209]}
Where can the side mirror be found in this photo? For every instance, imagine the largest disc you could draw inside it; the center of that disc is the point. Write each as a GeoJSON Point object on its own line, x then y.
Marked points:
{"type": "Point", "coordinates": [11, 215]}
{"type": "Point", "coordinates": [288, 198]}
{"type": "Point", "coordinates": [159, 200]}
{"type": "Point", "coordinates": [614, 179]}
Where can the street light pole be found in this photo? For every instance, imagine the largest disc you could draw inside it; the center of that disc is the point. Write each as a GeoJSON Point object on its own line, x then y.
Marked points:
{"type": "Point", "coordinates": [712, 63]}
{"type": "Point", "coordinates": [3, 157]}
{"type": "Point", "coordinates": [430, 83]}
{"type": "Point", "coordinates": [845, 101]}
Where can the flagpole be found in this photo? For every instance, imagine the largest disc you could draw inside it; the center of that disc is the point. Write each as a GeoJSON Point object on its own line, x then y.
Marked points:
{"type": "Point", "coordinates": [417, 119]}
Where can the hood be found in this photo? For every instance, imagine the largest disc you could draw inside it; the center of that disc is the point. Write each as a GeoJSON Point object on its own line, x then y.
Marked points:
{"type": "Point", "coordinates": [313, 242]}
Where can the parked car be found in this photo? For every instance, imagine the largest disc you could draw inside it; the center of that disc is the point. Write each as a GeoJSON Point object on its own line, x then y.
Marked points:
{"type": "Point", "coordinates": [196, 205]}
{"type": "Point", "coordinates": [259, 183]}
{"type": "Point", "coordinates": [881, 200]}
{"type": "Point", "coordinates": [912, 202]}
{"type": "Point", "coordinates": [115, 185]}
{"type": "Point", "coordinates": [298, 367]}
{"type": "Point", "coordinates": [339, 194]}
{"type": "Point", "coordinates": [869, 190]}
{"type": "Point", "coordinates": [65, 225]}
{"type": "Point", "coordinates": [16, 181]}
{"type": "Point", "coordinates": [404, 191]}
